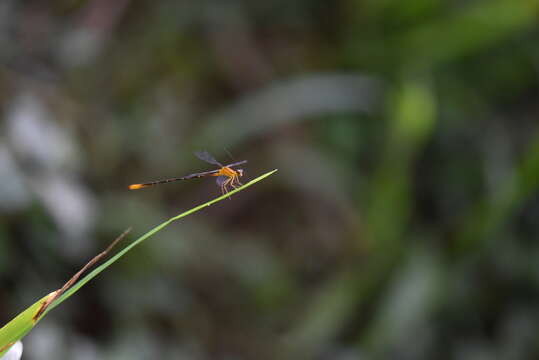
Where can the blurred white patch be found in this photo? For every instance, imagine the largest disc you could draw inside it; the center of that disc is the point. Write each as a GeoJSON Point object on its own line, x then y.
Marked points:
{"type": "Point", "coordinates": [36, 137]}
{"type": "Point", "coordinates": [71, 206]}
{"type": "Point", "coordinates": [14, 353]}
{"type": "Point", "coordinates": [51, 341]}
{"type": "Point", "coordinates": [50, 159]}
{"type": "Point", "coordinates": [47, 341]}
{"type": "Point", "coordinates": [91, 29]}
{"type": "Point", "coordinates": [81, 47]}
{"type": "Point", "coordinates": [292, 101]}
{"type": "Point", "coordinates": [84, 349]}
{"type": "Point", "coordinates": [13, 194]}
{"type": "Point", "coordinates": [407, 306]}
{"type": "Point", "coordinates": [137, 343]}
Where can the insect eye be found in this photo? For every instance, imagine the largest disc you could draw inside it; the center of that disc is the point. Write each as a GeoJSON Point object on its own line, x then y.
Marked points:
{"type": "Point", "coordinates": [240, 171]}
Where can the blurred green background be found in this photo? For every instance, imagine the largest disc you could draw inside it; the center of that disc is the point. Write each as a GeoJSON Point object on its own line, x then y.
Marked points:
{"type": "Point", "coordinates": [402, 223]}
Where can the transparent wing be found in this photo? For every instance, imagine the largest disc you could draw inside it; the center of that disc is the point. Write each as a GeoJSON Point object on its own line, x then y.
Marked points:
{"type": "Point", "coordinates": [237, 163]}
{"type": "Point", "coordinates": [221, 180]}
{"type": "Point", "coordinates": [207, 157]}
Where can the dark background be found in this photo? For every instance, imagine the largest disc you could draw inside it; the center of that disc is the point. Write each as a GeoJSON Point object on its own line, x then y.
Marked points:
{"type": "Point", "coordinates": [403, 220]}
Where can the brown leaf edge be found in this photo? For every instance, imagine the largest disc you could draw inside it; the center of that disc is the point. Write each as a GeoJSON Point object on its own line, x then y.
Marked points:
{"type": "Point", "coordinates": [56, 294]}
{"type": "Point", "coordinates": [4, 348]}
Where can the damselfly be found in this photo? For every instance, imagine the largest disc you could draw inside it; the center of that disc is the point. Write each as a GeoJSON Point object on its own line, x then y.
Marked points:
{"type": "Point", "coordinates": [226, 175]}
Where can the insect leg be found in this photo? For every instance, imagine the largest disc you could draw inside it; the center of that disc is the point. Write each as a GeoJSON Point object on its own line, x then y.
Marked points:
{"type": "Point", "coordinates": [234, 179]}
{"type": "Point", "coordinates": [226, 183]}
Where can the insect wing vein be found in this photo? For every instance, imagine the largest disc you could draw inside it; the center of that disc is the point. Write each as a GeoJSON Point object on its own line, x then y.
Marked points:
{"type": "Point", "coordinates": [207, 157]}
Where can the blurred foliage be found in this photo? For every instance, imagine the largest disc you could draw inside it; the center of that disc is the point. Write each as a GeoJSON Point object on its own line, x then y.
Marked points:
{"type": "Point", "coordinates": [402, 222]}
